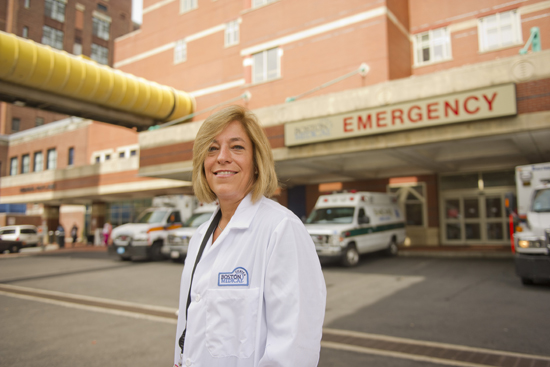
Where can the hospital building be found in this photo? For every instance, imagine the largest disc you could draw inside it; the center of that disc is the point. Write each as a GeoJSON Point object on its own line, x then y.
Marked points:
{"type": "Point", "coordinates": [434, 101]}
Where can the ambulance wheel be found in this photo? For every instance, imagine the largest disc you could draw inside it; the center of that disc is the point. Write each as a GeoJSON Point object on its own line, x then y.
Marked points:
{"type": "Point", "coordinates": [392, 249]}
{"type": "Point", "coordinates": [527, 281]}
{"type": "Point", "coordinates": [351, 256]}
{"type": "Point", "coordinates": [156, 254]}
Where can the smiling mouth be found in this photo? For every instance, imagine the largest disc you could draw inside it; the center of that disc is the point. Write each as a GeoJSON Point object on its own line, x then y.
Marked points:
{"type": "Point", "coordinates": [224, 173]}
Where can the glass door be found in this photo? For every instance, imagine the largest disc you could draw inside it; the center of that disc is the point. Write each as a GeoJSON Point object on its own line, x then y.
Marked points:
{"type": "Point", "coordinates": [474, 219]}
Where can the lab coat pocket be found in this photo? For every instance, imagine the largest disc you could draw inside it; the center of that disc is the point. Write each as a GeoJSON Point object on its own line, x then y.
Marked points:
{"type": "Point", "coordinates": [231, 316]}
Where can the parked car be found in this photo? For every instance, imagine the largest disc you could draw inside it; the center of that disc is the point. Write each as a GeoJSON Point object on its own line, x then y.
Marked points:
{"type": "Point", "coordinates": [11, 246]}
{"type": "Point", "coordinates": [178, 239]}
{"type": "Point", "coordinates": [27, 234]}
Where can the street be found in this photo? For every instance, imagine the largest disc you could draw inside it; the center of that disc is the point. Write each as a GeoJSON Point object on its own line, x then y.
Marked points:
{"type": "Point", "coordinates": [84, 308]}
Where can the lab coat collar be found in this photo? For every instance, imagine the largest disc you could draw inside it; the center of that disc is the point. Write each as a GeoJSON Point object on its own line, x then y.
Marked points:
{"type": "Point", "coordinates": [243, 215]}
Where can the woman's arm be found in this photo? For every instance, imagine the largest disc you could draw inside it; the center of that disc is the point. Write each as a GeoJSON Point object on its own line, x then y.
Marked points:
{"type": "Point", "coordinates": [295, 297]}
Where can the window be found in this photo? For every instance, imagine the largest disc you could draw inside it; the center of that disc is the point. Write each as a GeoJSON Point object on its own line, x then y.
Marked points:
{"type": "Point", "coordinates": [25, 163]}
{"type": "Point", "coordinates": [121, 154]}
{"type": "Point", "coordinates": [100, 28]}
{"type": "Point", "coordinates": [51, 163]}
{"type": "Point", "coordinates": [13, 166]}
{"type": "Point", "coordinates": [39, 121]}
{"type": "Point", "coordinates": [38, 162]}
{"type": "Point", "coordinates": [187, 5]}
{"type": "Point", "coordinates": [52, 37]}
{"type": "Point", "coordinates": [25, 33]}
{"type": "Point", "coordinates": [102, 7]}
{"type": "Point", "coordinates": [432, 46]}
{"type": "Point", "coordinates": [107, 157]}
{"type": "Point", "coordinates": [180, 51]}
{"type": "Point", "coordinates": [98, 159]}
{"type": "Point", "coordinates": [100, 54]}
{"type": "Point", "coordinates": [499, 30]}
{"type": "Point", "coordinates": [15, 124]}
{"type": "Point", "coordinates": [412, 198]}
{"type": "Point", "coordinates": [265, 65]}
{"type": "Point", "coordinates": [133, 153]}
{"type": "Point", "coordinates": [257, 3]}
{"type": "Point", "coordinates": [77, 46]}
{"type": "Point", "coordinates": [71, 157]}
{"type": "Point", "coordinates": [27, 4]}
{"type": "Point", "coordinates": [232, 33]}
{"type": "Point", "coordinates": [55, 9]}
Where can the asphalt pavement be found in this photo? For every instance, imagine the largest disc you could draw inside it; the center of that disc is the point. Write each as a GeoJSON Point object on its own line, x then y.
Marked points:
{"type": "Point", "coordinates": [65, 306]}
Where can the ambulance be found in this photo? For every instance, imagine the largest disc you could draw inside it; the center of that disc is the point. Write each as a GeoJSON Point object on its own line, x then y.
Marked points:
{"type": "Point", "coordinates": [532, 239]}
{"type": "Point", "coordinates": [345, 225]}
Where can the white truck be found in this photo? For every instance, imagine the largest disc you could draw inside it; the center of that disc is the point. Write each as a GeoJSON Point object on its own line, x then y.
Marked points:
{"type": "Point", "coordinates": [145, 237]}
{"type": "Point", "coordinates": [345, 225]}
{"type": "Point", "coordinates": [178, 239]}
{"type": "Point", "coordinates": [532, 237]}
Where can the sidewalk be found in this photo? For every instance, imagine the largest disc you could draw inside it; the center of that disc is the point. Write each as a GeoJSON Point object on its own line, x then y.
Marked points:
{"type": "Point", "coordinates": [477, 251]}
{"type": "Point", "coordinates": [54, 249]}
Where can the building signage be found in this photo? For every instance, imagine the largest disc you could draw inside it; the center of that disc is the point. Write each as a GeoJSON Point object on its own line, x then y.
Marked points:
{"type": "Point", "coordinates": [37, 188]}
{"type": "Point", "coordinates": [477, 104]}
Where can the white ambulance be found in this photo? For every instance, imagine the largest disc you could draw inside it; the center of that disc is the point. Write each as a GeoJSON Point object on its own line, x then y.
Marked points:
{"type": "Point", "coordinates": [345, 225]}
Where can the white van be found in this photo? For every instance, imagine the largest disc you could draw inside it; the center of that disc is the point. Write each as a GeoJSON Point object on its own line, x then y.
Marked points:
{"type": "Point", "coordinates": [177, 240]}
{"type": "Point", "coordinates": [345, 225]}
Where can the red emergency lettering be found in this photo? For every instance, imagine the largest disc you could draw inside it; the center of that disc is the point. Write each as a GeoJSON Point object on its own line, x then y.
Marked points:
{"type": "Point", "coordinates": [347, 125]}
{"type": "Point", "coordinates": [490, 102]}
{"type": "Point", "coordinates": [380, 118]}
{"type": "Point", "coordinates": [466, 105]}
{"type": "Point", "coordinates": [364, 124]}
{"type": "Point", "coordinates": [432, 108]}
{"type": "Point", "coordinates": [448, 107]}
{"type": "Point", "coordinates": [397, 114]}
{"type": "Point", "coordinates": [418, 116]}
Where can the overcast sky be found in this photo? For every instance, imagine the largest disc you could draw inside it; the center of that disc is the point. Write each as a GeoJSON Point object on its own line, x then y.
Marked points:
{"type": "Point", "coordinates": [137, 7]}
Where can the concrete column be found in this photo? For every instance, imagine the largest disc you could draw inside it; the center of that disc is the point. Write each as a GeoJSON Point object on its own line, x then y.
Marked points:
{"type": "Point", "coordinates": [97, 219]}
{"type": "Point", "coordinates": [99, 212]}
{"type": "Point", "coordinates": [50, 221]}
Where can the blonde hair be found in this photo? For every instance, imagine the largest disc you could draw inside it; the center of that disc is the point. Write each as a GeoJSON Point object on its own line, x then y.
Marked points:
{"type": "Point", "coordinates": [265, 182]}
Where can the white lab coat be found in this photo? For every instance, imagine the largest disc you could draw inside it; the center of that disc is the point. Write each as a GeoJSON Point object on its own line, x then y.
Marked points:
{"type": "Point", "coordinates": [258, 296]}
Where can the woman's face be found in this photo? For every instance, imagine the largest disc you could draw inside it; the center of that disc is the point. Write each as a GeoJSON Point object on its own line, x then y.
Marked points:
{"type": "Point", "coordinates": [229, 163]}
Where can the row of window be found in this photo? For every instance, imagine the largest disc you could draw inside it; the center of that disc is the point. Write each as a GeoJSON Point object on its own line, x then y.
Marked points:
{"type": "Point", "coordinates": [188, 5]}
{"type": "Point", "coordinates": [107, 156]}
{"type": "Point", "coordinates": [38, 162]}
{"type": "Point", "coordinates": [231, 38]}
{"type": "Point", "coordinates": [16, 123]}
{"type": "Point", "coordinates": [54, 38]}
{"type": "Point", "coordinates": [495, 31]}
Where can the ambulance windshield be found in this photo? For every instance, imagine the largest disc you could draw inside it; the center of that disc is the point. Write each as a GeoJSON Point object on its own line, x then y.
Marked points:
{"type": "Point", "coordinates": [331, 215]}
{"type": "Point", "coordinates": [197, 219]}
{"type": "Point", "coordinates": [152, 216]}
{"type": "Point", "coordinates": [541, 203]}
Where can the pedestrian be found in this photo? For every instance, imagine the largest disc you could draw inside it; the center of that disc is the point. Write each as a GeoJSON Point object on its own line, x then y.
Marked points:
{"type": "Point", "coordinates": [252, 291]}
{"type": "Point", "coordinates": [74, 233]}
{"type": "Point", "coordinates": [107, 228]}
{"type": "Point", "coordinates": [60, 233]}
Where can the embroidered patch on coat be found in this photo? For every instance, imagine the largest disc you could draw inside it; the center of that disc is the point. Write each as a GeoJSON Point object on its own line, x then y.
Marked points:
{"type": "Point", "coordinates": [239, 276]}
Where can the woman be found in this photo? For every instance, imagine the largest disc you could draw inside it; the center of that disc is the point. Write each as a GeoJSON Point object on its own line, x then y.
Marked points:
{"type": "Point", "coordinates": [258, 294]}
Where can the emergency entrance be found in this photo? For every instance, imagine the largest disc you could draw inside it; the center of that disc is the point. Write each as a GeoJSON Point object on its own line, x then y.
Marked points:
{"type": "Point", "coordinates": [472, 208]}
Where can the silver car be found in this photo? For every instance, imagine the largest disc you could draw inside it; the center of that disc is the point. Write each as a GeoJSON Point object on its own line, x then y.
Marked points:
{"type": "Point", "coordinates": [27, 234]}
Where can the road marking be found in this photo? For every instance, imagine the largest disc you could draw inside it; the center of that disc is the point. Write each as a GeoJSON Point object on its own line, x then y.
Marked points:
{"type": "Point", "coordinates": [352, 348]}
{"type": "Point", "coordinates": [346, 340]}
